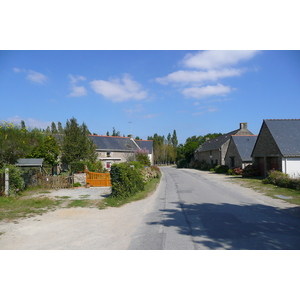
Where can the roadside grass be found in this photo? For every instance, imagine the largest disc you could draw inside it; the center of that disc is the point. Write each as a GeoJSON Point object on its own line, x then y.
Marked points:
{"type": "Point", "coordinates": [268, 189]}
{"type": "Point", "coordinates": [16, 207]}
{"type": "Point", "coordinates": [117, 202]}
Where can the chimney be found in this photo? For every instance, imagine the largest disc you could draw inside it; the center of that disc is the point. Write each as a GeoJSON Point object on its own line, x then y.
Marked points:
{"type": "Point", "coordinates": [207, 139]}
{"type": "Point", "coordinates": [244, 125]}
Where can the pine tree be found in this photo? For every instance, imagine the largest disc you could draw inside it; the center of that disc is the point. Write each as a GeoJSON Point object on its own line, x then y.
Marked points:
{"type": "Point", "coordinates": [53, 128]}
{"type": "Point", "coordinates": [76, 144]}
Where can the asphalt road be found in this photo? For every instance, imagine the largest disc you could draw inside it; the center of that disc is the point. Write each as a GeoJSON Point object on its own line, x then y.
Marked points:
{"type": "Point", "coordinates": [190, 210]}
{"type": "Point", "coordinates": [200, 210]}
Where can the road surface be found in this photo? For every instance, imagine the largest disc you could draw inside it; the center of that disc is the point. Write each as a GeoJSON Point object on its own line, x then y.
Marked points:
{"type": "Point", "coordinates": [199, 210]}
{"type": "Point", "coordinates": [190, 210]}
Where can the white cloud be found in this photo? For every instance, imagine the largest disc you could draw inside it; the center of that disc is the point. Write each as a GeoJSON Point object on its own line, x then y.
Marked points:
{"type": "Point", "coordinates": [188, 77]}
{"type": "Point", "coordinates": [205, 109]}
{"type": "Point", "coordinates": [118, 90]}
{"type": "Point", "coordinates": [17, 70]}
{"type": "Point", "coordinates": [77, 91]}
{"type": "Point", "coordinates": [207, 91]}
{"type": "Point", "coordinates": [30, 122]}
{"type": "Point", "coordinates": [36, 77]}
{"type": "Point", "coordinates": [32, 76]}
{"type": "Point", "coordinates": [138, 108]}
{"type": "Point", "coordinates": [149, 116]}
{"type": "Point", "coordinates": [215, 59]}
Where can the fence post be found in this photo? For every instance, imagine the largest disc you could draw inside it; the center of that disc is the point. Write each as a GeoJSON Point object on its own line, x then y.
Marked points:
{"type": "Point", "coordinates": [6, 182]}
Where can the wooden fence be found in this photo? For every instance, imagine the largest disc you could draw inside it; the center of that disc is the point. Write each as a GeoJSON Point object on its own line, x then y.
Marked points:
{"type": "Point", "coordinates": [54, 182]}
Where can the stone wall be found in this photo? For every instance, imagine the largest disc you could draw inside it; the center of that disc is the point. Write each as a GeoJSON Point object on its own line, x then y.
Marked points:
{"type": "Point", "coordinates": [80, 178]}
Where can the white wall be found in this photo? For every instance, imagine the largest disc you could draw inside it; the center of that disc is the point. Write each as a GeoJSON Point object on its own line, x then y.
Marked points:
{"type": "Point", "coordinates": [291, 166]}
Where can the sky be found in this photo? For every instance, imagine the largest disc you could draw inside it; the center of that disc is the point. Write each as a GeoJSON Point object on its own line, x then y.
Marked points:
{"type": "Point", "coordinates": [146, 92]}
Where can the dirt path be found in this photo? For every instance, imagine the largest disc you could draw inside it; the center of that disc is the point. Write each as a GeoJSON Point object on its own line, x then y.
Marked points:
{"type": "Point", "coordinates": [76, 228]}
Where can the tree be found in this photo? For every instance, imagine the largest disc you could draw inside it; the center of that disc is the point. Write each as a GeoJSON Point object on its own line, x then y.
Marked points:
{"type": "Point", "coordinates": [76, 144]}
{"type": "Point", "coordinates": [53, 128]}
{"type": "Point", "coordinates": [23, 126]}
{"type": "Point", "coordinates": [60, 128]}
{"type": "Point", "coordinates": [48, 149]}
{"type": "Point", "coordinates": [16, 142]}
{"type": "Point", "coordinates": [115, 133]}
{"type": "Point", "coordinates": [174, 139]}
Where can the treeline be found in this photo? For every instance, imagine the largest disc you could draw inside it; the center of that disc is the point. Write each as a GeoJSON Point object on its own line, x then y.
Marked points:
{"type": "Point", "coordinates": [67, 144]}
{"type": "Point", "coordinates": [185, 152]}
{"type": "Point", "coordinates": [164, 148]}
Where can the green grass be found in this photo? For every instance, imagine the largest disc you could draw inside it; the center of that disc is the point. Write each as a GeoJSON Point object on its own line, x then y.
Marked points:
{"type": "Point", "coordinates": [62, 197]}
{"type": "Point", "coordinates": [117, 202]}
{"type": "Point", "coordinates": [80, 203]}
{"type": "Point", "coordinates": [13, 208]}
{"type": "Point", "coordinates": [268, 189]}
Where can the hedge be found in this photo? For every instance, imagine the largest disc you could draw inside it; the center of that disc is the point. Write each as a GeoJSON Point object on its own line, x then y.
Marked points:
{"type": "Point", "coordinates": [282, 180]}
{"type": "Point", "coordinates": [126, 180]}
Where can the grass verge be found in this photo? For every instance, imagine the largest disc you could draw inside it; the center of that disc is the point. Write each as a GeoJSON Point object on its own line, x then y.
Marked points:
{"type": "Point", "coordinates": [13, 208]}
{"type": "Point", "coordinates": [117, 202]}
{"type": "Point", "coordinates": [289, 195]}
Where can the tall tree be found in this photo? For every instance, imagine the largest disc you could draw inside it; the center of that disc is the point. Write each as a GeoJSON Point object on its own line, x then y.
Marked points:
{"type": "Point", "coordinates": [23, 126]}
{"type": "Point", "coordinates": [174, 139]}
{"type": "Point", "coordinates": [53, 128]}
{"type": "Point", "coordinates": [60, 128]}
{"type": "Point", "coordinates": [76, 144]}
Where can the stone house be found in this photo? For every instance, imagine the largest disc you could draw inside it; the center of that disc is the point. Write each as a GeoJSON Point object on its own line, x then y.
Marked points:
{"type": "Point", "coordinates": [278, 147]}
{"type": "Point", "coordinates": [113, 149]}
{"type": "Point", "coordinates": [239, 151]}
{"type": "Point", "coordinates": [213, 151]}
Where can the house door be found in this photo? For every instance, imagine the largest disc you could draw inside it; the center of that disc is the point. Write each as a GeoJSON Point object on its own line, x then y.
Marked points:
{"type": "Point", "coordinates": [272, 163]}
{"type": "Point", "coordinates": [261, 166]}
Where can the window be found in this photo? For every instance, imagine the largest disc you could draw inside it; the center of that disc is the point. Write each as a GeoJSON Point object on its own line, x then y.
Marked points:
{"type": "Point", "coordinates": [108, 154]}
{"type": "Point", "coordinates": [108, 165]}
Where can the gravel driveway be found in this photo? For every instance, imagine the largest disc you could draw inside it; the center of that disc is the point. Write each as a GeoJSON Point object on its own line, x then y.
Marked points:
{"type": "Point", "coordinates": [93, 193]}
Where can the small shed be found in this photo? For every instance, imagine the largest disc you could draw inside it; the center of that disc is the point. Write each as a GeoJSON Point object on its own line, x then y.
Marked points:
{"type": "Point", "coordinates": [30, 165]}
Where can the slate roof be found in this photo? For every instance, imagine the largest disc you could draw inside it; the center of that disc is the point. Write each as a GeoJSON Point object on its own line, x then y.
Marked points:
{"type": "Point", "coordinates": [286, 133]}
{"type": "Point", "coordinates": [29, 162]}
{"type": "Point", "coordinates": [217, 142]}
{"type": "Point", "coordinates": [112, 143]}
{"type": "Point", "coordinates": [244, 145]}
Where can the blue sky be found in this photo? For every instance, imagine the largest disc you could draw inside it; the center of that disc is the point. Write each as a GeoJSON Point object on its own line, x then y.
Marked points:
{"type": "Point", "coordinates": [193, 92]}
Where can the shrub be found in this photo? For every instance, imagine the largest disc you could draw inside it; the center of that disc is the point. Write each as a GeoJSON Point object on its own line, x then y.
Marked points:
{"type": "Point", "coordinates": [76, 184]}
{"type": "Point", "coordinates": [182, 163]}
{"type": "Point", "coordinates": [251, 171]}
{"type": "Point", "coordinates": [141, 155]}
{"type": "Point", "coordinates": [77, 166]}
{"type": "Point", "coordinates": [16, 181]}
{"type": "Point", "coordinates": [126, 180]}
{"type": "Point", "coordinates": [221, 169]}
{"type": "Point", "coordinates": [235, 171]}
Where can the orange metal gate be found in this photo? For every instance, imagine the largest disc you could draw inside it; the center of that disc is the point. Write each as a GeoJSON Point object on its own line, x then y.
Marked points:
{"type": "Point", "coordinates": [97, 179]}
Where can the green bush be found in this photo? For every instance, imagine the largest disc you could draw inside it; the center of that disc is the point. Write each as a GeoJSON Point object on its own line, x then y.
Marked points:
{"type": "Point", "coordinates": [77, 166]}
{"type": "Point", "coordinates": [282, 180]}
{"type": "Point", "coordinates": [251, 171]}
{"type": "Point", "coordinates": [16, 181]}
{"type": "Point", "coordinates": [221, 169]}
{"type": "Point", "coordinates": [126, 180]}
{"type": "Point", "coordinates": [235, 171]}
{"type": "Point", "coordinates": [76, 184]}
{"type": "Point", "coordinates": [182, 163]}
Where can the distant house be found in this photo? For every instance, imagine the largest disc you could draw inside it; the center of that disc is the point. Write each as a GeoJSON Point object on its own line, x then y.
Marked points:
{"type": "Point", "coordinates": [278, 147]}
{"type": "Point", "coordinates": [113, 149]}
{"type": "Point", "coordinates": [213, 151]}
{"type": "Point", "coordinates": [239, 151]}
